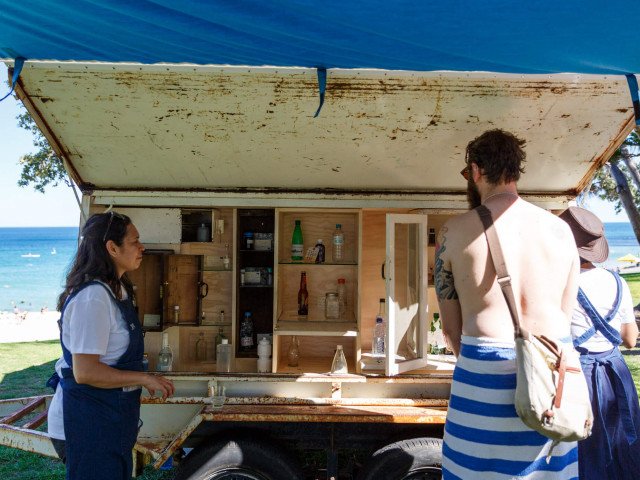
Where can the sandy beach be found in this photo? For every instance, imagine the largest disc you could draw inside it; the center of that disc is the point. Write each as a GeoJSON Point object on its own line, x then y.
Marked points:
{"type": "Point", "coordinates": [28, 326]}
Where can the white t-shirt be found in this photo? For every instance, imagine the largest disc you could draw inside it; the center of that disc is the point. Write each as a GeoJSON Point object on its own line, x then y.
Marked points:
{"type": "Point", "coordinates": [600, 287]}
{"type": "Point", "coordinates": [92, 324]}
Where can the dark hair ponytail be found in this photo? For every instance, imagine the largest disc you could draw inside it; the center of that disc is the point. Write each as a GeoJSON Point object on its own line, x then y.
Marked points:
{"type": "Point", "coordinates": [92, 260]}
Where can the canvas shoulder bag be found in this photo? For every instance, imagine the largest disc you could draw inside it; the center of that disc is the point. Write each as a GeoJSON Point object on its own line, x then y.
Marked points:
{"type": "Point", "coordinates": [551, 391]}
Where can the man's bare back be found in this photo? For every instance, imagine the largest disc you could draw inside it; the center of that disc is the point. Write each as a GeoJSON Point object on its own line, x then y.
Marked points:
{"type": "Point", "coordinates": [541, 259]}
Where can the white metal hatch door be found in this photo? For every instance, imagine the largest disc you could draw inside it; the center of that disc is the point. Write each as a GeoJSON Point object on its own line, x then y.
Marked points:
{"type": "Point", "coordinates": [406, 289]}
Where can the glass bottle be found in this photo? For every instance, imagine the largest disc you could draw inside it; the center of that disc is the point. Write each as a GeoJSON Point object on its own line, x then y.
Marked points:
{"type": "Point", "coordinates": [176, 313]}
{"type": "Point", "coordinates": [201, 348]}
{"type": "Point", "coordinates": [165, 356]}
{"type": "Point", "coordinates": [297, 243]}
{"type": "Point", "coordinates": [226, 260]}
{"type": "Point", "coordinates": [338, 244]}
{"type": "Point", "coordinates": [342, 297]}
{"type": "Point", "coordinates": [145, 362]}
{"type": "Point", "coordinates": [219, 337]}
{"type": "Point", "coordinates": [222, 317]}
{"type": "Point", "coordinates": [303, 295]}
{"type": "Point", "coordinates": [321, 251]}
{"type": "Point", "coordinates": [246, 332]}
{"type": "Point", "coordinates": [293, 355]}
{"type": "Point", "coordinates": [223, 356]}
{"type": "Point", "coordinates": [377, 344]}
{"type": "Point", "coordinates": [331, 306]}
{"type": "Point", "coordinates": [339, 364]}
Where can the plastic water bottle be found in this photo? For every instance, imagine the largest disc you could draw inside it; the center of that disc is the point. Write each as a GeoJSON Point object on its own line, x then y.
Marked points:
{"type": "Point", "coordinates": [165, 356]}
{"type": "Point", "coordinates": [338, 244]}
{"type": "Point", "coordinates": [223, 356]}
{"type": "Point", "coordinates": [379, 331]}
{"type": "Point", "coordinates": [246, 332]}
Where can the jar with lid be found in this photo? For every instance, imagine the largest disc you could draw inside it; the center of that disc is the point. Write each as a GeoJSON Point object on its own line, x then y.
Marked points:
{"type": "Point", "coordinates": [247, 240]}
{"type": "Point", "coordinates": [331, 306]}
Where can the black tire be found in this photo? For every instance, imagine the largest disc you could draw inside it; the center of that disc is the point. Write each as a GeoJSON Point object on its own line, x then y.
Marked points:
{"type": "Point", "coordinates": [415, 459]}
{"type": "Point", "coordinates": [238, 459]}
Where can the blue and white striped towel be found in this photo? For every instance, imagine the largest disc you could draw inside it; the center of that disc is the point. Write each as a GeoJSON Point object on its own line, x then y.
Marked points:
{"type": "Point", "coordinates": [484, 437]}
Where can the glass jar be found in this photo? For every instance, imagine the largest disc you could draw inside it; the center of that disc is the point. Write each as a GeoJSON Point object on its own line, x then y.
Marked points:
{"type": "Point", "coordinates": [331, 306]}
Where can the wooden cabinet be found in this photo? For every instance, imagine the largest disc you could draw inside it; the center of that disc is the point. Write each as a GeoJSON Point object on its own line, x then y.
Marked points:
{"type": "Point", "coordinates": [255, 293]}
{"type": "Point", "coordinates": [317, 335]}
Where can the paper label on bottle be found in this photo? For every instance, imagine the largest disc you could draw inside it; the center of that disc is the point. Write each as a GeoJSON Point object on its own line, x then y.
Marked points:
{"type": "Point", "coordinates": [338, 240]}
{"type": "Point", "coordinates": [246, 342]}
{"type": "Point", "coordinates": [296, 250]}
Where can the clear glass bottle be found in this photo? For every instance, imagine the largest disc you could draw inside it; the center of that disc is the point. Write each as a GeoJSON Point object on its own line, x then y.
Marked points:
{"type": "Point", "coordinates": [223, 356]}
{"type": "Point", "coordinates": [219, 337]}
{"type": "Point", "coordinates": [339, 364]}
{"type": "Point", "coordinates": [226, 259]}
{"type": "Point", "coordinates": [293, 354]}
{"type": "Point", "coordinates": [297, 243]}
{"type": "Point", "coordinates": [201, 348]}
{"type": "Point", "coordinates": [202, 234]}
{"type": "Point", "coordinates": [342, 297]}
{"type": "Point", "coordinates": [165, 356]}
{"type": "Point", "coordinates": [145, 362]}
{"type": "Point", "coordinates": [379, 332]}
{"type": "Point", "coordinates": [303, 295]}
{"type": "Point", "coordinates": [176, 313]}
{"type": "Point", "coordinates": [338, 244]}
{"type": "Point", "coordinates": [221, 319]}
{"type": "Point", "coordinates": [321, 251]}
{"type": "Point", "coordinates": [246, 332]}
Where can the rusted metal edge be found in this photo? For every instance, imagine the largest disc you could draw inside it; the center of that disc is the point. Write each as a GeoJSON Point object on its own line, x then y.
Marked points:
{"type": "Point", "coordinates": [27, 440]}
{"type": "Point", "coordinates": [28, 408]}
{"type": "Point", "coordinates": [327, 414]}
{"type": "Point", "coordinates": [267, 400]}
{"type": "Point", "coordinates": [178, 440]}
{"type": "Point", "coordinates": [601, 159]}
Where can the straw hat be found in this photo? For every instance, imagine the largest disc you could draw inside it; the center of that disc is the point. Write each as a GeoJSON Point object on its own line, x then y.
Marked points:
{"type": "Point", "coordinates": [588, 231]}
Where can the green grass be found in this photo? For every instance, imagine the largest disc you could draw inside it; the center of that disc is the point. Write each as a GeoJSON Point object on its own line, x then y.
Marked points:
{"type": "Point", "coordinates": [24, 369]}
{"type": "Point", "coordinates": [634, 286]}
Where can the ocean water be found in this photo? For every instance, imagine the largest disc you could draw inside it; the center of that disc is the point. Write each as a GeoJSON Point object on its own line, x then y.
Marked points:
{"type": "Point", "coordinates": [621, 241]}
{"type": "Point", "coordinates": [33, 283]}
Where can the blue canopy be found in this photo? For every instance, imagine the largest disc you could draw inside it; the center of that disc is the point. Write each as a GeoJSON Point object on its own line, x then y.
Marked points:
{"type": "Point", "coordinates": [580, 36]}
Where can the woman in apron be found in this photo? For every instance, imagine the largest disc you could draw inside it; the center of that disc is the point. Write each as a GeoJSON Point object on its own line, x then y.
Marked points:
{"type": "Point", "coordinates": [603, 320]}
{"type": "Point", "coordinates": [96, 407]}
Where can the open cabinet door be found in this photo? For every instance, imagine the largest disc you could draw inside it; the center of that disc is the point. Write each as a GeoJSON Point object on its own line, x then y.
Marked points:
{"type": "Point", "coordinates": [406, 284]}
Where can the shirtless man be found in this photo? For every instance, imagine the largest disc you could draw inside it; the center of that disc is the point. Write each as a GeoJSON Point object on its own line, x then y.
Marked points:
{"type": "Point", "coordinates": [483, 432]}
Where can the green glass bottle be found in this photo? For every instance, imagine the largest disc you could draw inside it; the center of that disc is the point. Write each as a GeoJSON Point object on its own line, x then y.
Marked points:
{"type": "Point", "coordinates": [297, 244]}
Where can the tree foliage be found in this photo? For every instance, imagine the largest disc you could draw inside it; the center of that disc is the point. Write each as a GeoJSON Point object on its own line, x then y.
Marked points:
{"type": "Point", "coordinates": [44, 167]}
{"type": "Point", "coordinates": [604, 185]}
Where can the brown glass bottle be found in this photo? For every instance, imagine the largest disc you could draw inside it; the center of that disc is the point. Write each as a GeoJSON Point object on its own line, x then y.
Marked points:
{"type": "Point", "coordinates": [303, 295]}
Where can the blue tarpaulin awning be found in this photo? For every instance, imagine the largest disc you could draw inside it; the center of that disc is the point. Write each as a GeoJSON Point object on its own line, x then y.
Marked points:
{"type": "Point", "coordinates": [579, 36]}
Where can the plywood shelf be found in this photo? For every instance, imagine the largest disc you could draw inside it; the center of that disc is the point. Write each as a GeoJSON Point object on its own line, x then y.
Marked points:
{"type": "Point", "coordinates": [317, 328]}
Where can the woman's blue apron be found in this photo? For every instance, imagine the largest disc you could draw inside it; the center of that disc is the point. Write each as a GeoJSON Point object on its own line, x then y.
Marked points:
{"type": "Point", "coordinates": [101, 424]}
{"type": "Point", "coordinates": [613, 450]}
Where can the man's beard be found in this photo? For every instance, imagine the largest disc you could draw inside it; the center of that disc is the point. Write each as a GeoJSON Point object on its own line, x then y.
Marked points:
{"type": "Point", "coordinates": [473, 195]}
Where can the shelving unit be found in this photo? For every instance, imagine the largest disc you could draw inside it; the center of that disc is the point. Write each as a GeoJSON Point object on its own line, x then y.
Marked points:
{"type": "Point", "coordinates": [256, 298]}
{"type": "Point", "coordinates": [318, 335]}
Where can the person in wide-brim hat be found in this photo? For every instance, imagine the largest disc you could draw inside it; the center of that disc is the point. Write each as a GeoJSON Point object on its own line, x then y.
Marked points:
{"type": "Point", "coordinates": [588, 232]}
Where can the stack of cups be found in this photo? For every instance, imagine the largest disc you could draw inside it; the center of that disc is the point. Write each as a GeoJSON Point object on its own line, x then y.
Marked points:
{"type": "Point", "coordinates": [264, 356]}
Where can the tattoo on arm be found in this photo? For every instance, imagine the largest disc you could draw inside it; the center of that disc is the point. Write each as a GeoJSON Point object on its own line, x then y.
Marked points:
{"type": "Point", "coordinates": [445, 287]}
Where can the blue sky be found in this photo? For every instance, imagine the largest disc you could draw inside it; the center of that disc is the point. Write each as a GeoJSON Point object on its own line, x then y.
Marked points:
{"type": "Point", "coordinates": [24, 207]}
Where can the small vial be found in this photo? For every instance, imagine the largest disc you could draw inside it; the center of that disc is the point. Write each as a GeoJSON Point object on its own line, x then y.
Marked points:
{"type": "Point", "coordinates": [221, 317]}
{"type": "Point", "coordinates": [176, 313]}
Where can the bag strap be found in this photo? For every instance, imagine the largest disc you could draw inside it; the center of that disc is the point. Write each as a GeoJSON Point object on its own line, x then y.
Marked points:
{"type": "Point", "coordinates": [504, 280]}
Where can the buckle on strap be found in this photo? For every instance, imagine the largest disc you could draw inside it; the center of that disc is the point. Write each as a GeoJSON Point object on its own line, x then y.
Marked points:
{"type": "Point", "coordinates": [504, 280]}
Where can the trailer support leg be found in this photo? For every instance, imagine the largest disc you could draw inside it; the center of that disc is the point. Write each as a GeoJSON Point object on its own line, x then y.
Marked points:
{"type": "Point", "coordinates": [332, 457]}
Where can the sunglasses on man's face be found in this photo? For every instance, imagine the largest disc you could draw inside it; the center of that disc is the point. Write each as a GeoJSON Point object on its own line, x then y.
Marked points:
{"type": "Point", "coordinates": [465, 172]}
{"type": "Point", "coordinates": [106, 232]}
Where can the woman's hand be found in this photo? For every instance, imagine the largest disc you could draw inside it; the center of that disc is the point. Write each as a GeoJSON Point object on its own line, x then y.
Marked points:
{"type": "Point", "coordinates": [157, 383]}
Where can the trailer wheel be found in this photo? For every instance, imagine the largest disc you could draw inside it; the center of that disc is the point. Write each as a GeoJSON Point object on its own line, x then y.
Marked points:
{"type": "Point", "coordinates": [238, 459]}
{"type": "Point", "coordinates": [415, 459]}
